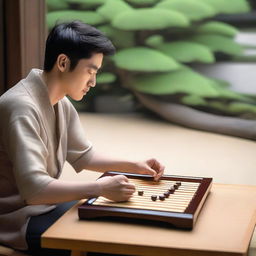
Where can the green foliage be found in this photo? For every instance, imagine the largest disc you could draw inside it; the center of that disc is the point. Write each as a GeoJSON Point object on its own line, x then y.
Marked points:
{"type": "Point", "coordinates": [183, 80]}
{"type": "Point", "coordinates": [227, 101]}
{"type": "Point", "coordinates": [106, 78]}
{"type": "Point", "coordinates": [241, 109]}
{"type": "Point", "coordinates": [228, 6]}
{"type": "Point", "coordinates": [218, 43]}
{"type": "Point", "coordinates": [153, 38]}
{"type": "Point", "coordinates": [149, 19]}
{"type": "Point", "coordinates": [120, 38]}
{"type": "Point", "coordinates": [193, 100]}
{"type": "Point", "coordinates": [53, 5]}
{"type": "Point", "coordinates": [113, 8]}
{"type": "Point", "coordinates": [142, 2]}
{"type": "Point", "coordinates": [224, 92]}
{"type": "Point", "coordinates": [217, 27]}
{"type": "Point", "coordinates": [221, 83]}
{"type": "Point", "coordinates": [154, 41]}
{"type": "Point", "coordinates": [184, 51]}
{"type": "Point", "coordinates": [88, 17]}
{"type": "Point", "coordinates": [194, 10]}
{"type": "Point", "coordinates": [144, 60]}
{"type": "Point", "coordinates": [83, 4]}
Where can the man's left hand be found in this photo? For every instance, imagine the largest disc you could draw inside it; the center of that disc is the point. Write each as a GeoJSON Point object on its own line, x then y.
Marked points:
{"type": "Point", "coordinates": [151, 167]}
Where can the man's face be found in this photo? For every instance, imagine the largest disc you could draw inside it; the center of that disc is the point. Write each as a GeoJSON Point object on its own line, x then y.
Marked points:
{"type": "Point", "coordinates": [79, 81]}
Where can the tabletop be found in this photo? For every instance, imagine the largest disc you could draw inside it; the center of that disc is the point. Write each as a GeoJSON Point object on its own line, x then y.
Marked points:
{"type": "Point", "coordinates": [224, 228]}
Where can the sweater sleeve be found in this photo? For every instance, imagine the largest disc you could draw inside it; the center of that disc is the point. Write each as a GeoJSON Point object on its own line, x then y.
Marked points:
{"type": "Point", "coordinates": [79, 149]}
{"type": "Point", "coordinates": [28, 154]}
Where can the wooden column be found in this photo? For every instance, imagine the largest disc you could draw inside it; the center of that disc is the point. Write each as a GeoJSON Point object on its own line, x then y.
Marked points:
{"type": "Point", "coordinates": [25, 34]}
{"type": "Point", "coordinates": [2, 66]}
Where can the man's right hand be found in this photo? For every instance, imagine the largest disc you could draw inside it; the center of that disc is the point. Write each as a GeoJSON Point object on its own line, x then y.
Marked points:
{"type": "Point", "coordinates": [116, 188]}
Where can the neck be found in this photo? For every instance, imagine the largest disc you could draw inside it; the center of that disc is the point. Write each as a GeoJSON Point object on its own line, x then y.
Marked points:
{"type": "Point", "coordinates": [54, 87]}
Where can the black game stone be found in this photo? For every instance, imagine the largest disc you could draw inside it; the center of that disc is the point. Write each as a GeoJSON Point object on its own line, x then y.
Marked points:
{"type": "Point", "coordinates": [171, 191]}
{"type": "Point", "coordinates": [162, 198]}
{"type": "Point", "coordinates": [140, 192]}
{"type": "Point", "coordinates": [153, 197]}
{"type": "Point", "coordinates": [166, 194]}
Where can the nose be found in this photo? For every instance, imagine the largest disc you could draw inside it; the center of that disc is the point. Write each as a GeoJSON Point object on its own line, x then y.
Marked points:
{"type": "Point", "coordinates": [92, 82]}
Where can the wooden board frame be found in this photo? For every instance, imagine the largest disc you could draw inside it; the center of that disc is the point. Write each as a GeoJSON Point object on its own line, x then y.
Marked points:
{"type": "Point", "coordinates": [184, 220]}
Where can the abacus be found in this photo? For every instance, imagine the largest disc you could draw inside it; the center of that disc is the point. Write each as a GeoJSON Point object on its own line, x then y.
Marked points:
{"type": "Point", "coordinates": [173, 199]}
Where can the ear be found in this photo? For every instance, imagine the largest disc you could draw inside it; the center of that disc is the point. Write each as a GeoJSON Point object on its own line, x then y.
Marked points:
{"type": "Point", "coordinates": [63, 63]}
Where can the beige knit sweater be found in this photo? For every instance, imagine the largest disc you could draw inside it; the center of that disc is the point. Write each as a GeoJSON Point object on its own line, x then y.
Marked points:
{"type": "Point", "coordinates": [34, 144]}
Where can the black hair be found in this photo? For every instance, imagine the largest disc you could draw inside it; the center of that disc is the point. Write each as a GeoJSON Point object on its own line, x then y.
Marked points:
{"type": "Point", "coordinates": [77, 40]}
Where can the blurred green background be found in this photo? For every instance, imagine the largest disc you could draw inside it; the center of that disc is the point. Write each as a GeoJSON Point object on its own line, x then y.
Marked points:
{"type": "Point", "coordinates": [160, 44]}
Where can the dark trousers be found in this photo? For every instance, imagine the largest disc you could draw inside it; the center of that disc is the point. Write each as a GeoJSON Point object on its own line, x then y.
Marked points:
{"type": "Point", "coordinates": [39, 224]}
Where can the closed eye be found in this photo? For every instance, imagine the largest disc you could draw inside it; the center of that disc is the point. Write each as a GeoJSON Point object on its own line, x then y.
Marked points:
{"type": "Point", "coordinates": [92, 71]}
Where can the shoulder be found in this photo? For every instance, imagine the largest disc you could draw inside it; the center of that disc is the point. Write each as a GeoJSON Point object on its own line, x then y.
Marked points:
{"type": "Point", "coordinates": [16, 102]}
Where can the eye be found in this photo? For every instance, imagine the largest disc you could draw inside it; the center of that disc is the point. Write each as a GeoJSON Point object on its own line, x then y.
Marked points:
{"type": "Point", "coordinates": [90, 71]}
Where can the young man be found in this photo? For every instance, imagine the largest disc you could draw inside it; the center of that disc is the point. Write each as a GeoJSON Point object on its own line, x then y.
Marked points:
{"type": "Point", "coordinates": [40, 130]}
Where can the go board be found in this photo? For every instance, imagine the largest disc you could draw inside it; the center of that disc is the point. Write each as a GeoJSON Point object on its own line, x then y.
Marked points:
{"type": "Point", "coordinates": [173, 199]}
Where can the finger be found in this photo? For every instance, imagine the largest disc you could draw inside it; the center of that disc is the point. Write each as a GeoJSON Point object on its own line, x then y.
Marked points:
{"type": "Point", "coordinates": [122, 178]}
{"type": "Point", "coordinates": [129, 193]}
{"type": "Point", "coordinates": [159, 175]}
{"type": "Point", "coordinates": [161, 172]}
{"type": "Point", "coordinates": [156, 166]}
{"type": "Point", "coordinates": [149, 171]}
{"type": "Point", "coordinates": [129, 186]}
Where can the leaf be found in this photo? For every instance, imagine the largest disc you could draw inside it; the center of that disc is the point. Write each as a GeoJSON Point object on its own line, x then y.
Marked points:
{"type": "Point", "coordinates": [53, 5]}
{"type": "Point", "coordinates": [89, 17]}
{"type": "Point", "coordinates": [221, 83]}
{"type": "Point", "coordinates": [193, 100]}
{"type": "Point", "coordinates": [227, 93]}
{"type": "Point", "coordinates": [218, 43]}
{"type": "Point", "coordinates": [120, 38]}
{"type": "Point", "coordinates": [194, 10]}
{"type": "Point", "coordinates": [217, 27]}
{"type": "Point", "coordinates": [154, 40]}
{"type": "Point", "coordinates": [241, 107]}
{"type": "Point", "coordinates": [149, 19]}
{"type": "Point", "coordinates": [144, 59]}
{"type": "Point", "coordinates": [181, 81]}
{"type": "Point", "coordinates": [112, 8]}
{"type": "Point", "coordinates": [227, 6]}
{"type": "Point", "coordinates": [106, 78]}
{"type": "Point", "coordinates": [235, 108]}
{"type": "Point", "coordinates": [185, 51]}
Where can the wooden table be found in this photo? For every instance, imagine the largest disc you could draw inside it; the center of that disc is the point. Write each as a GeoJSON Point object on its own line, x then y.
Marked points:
{"type": "Point", "coordinates": [224, 228]}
